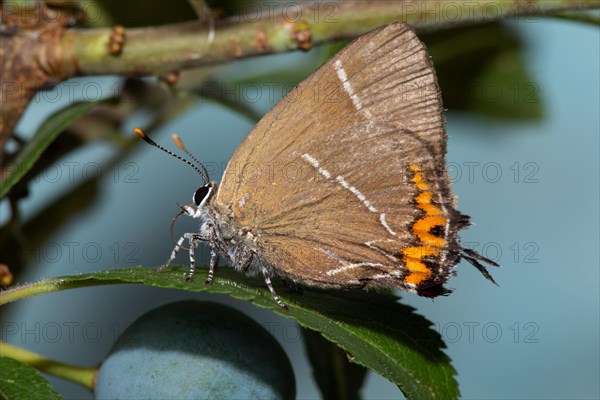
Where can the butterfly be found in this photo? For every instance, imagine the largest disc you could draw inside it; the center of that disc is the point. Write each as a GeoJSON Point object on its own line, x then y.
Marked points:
{"type": "Point", "coordinates": [343, 184]}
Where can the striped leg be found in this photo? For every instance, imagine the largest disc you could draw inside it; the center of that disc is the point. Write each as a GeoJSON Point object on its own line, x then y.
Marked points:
{"type": "Point", "coordinates": [173, 254]}
{"type": "Point", "coordinates": [214, 260]}
{"type": "Point", "coordinates": [194, 241]}
{"type": "Point", "coordinates": [270, 286]}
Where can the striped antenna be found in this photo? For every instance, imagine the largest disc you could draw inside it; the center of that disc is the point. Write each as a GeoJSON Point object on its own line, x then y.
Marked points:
{"type": "Point", "coordinates": [182, 147]}
{"type": "Point", "coordinates": [147, 139]}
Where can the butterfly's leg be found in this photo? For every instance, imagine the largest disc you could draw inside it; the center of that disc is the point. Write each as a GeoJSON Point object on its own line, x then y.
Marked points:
{"type": "Point", "coordinates": [191, 237]}
{"type": "Point", "coordinates": [194, 239]}
{"type": "Point", "coordinates": [173, 254]}
{"type": "Point", "coordinates": [214, 261]}
{"type": "Point", "coordinates": [276, 298]}
{"type": "Point", "coordinates": [214, 253]}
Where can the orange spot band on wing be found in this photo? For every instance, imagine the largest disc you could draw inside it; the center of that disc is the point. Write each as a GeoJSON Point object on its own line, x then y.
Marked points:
{"type": "Point", "coordinates": [424, 203]}
{"type": "Point", "coordinates": [418, 177]}
{"type": "Point", "coordinates": [413, 256]}
{"type": "Point", "coordinates": [420, 182]}
{"type": "Point", "coordinates": [422, 227]}
{"type": "Point", "coordinates": [420, 252]}
{"type": "Point", "coordinates": [416, 276]}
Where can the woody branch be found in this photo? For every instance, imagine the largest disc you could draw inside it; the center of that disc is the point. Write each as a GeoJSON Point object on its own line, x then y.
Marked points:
{"type": "Point", "coordinates": [51, 53]}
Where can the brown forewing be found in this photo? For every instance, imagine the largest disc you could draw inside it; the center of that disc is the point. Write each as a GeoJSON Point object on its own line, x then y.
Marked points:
{"type": "Point", "coordinates": [314, 177]}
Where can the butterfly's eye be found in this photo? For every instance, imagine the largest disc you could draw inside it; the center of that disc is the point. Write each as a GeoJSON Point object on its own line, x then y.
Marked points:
{"type": "Point", "coordinates": [202, 194]}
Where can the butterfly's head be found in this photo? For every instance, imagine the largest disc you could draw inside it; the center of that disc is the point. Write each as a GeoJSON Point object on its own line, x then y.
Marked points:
{"type": "Point", "coordinates": [201, 200]}
{"type": "Point", "coordinates": [204, 194]}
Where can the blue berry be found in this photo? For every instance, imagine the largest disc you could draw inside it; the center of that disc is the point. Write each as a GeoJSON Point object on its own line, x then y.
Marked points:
{"type": "Point", "coordinates": [195, 350]}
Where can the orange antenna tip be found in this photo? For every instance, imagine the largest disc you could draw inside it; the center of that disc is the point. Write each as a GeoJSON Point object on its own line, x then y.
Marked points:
{"type": "Point", "coordinates": [139, 132]}
{"type": "Point", "coordinates": [179, 142]}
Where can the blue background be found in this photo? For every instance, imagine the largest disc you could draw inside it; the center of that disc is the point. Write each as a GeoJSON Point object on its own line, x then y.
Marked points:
{"type": "Point", "coordinates": [535, 336]}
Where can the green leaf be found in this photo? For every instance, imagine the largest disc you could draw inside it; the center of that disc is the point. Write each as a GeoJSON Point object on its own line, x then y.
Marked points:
{"type": "Point", "coordinates": [336, 376]}
{"type": "Point", "coordinates": [374, 329]}
{"type": "Point", "coordinates": [19, 381]}
{"type": "Point", "coordinates": [45, 135]}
